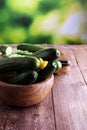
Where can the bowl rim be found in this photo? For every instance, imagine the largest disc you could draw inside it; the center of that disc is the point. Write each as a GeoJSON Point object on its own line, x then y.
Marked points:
{"type": "Point", "coordinates": [4, 84]}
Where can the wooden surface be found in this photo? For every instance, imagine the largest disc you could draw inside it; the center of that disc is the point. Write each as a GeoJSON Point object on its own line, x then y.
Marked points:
{"type": "Point", "coordinates": [65, 108]}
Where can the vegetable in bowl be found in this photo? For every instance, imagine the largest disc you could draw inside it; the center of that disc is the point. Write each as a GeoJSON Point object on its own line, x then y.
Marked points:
{"type": "Point", "coordinates": [31, 63]}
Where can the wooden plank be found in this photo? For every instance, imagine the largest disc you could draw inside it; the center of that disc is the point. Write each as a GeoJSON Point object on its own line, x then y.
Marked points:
{"type": "Point", "coordinates": [65, 109]}
{"type": "Point", "coordinates": [68, 91]}
{"type": "Point", "coordinates": [38, 117]}
{"type": "Point", "coordinates": [80, 53]}
{"type": "Point", "coordinates": [3, 117]}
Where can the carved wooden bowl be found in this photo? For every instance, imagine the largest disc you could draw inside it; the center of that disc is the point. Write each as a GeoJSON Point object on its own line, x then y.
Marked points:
{"type": "Point", "coordinates": [25, 95]}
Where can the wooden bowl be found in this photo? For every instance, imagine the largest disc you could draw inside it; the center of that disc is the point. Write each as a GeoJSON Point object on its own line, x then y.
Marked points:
{"type": "Point", "coordinates": [25, 95]}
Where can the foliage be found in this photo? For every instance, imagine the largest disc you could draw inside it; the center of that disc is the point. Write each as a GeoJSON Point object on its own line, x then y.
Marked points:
{"type": "Point", "coordinates": [43, 21]}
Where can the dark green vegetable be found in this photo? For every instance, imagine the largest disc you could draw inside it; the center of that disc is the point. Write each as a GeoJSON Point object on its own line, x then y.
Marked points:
{"type": "Point", "coordinates": [21, 52]}
{"type": "Point", "coordinates": [46, 72]}
{"type": "Point", "coordinates": [28, 63]}
{"type": "Point", "coordinates": [58, 64]}
{"type": "Point", "coordinates": [16, 63]}
{"type": "Point", "coordinates": [7, 75]}
{"type": "Point", "coordinates": [5, 49]}
{"type": "Point", "coordinates": [24, 78]}
{"type": "Point", "coordinates": [30, 47]}
{"type": "Point", "coordinates": [48, 54]}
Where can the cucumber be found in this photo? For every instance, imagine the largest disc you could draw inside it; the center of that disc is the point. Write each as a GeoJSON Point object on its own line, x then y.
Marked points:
{"type": "Point", "coordinates": [30, 47]}
{"type": "Point", "coordinates": [21, 52]}
{"type": "Point", "coordinates": [48, 54]}
{"type": "Point", "coordinates": [16, 63]}
{"type": "Point", "coordinates": [24, 78]}
{"type": "Point", "coordinates": [6, 75]}
{"type": "Point", "coordinates": [58, 65]}
{"type": "Point", "coordinates": [5, 49]}
{"type": "Point", "coordinates": [46, 72]}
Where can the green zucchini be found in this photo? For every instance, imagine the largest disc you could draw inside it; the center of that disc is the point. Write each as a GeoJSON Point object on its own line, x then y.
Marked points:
{"type": "Point", "coordinates": [58, 65]}
{"type": "Point", "coordinates": [24, 78]}
{"type": "Point", "coordinates": [16, 63]}
{"type": "Point", "coordinates": [5, 76]}
{"type": "Point", "coordinates": [48, 54]}
{"type": "Point", "coordinates": [5, 49]}
{"type": "Point", "coordinates": [46, 72]}
{"type": "Point", "coordinates": [21, 52]}
{"type": "Point", "coordinates": [30, 47]}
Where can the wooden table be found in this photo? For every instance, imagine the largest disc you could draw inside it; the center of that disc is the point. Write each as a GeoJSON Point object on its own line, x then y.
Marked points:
{"type": "Point", "coordinates": [65, 108]}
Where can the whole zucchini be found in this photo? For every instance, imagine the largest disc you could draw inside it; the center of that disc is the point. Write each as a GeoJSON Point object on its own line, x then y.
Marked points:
{"type": "Point", "coordinates": [6, 75]}
{"type": "Point", "coordinates": [58, 64]}
{"type": "Point", "coordinates": [16, 63]}
{"type": "Point", "coordinates": [30, 47]}
{"type": "Point", "coordinates": [24, 78]}
{"type": "Point", "coordinates": [46, 72]}
{"type": "Point", "coordinates": [48, 54]}
{"type": "Point", "coordinates": [21, 52]}
{"type": "Point", "coordinates": [5, 49]}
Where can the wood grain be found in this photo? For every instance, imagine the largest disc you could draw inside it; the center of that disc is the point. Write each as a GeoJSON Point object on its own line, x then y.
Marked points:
{"type": "Point", "coordinates": [80, 53]}
{"type": "Point", "coordinates": [66, 106]}
{"type": "Point", "coordinates": [68, 95]}
{"type": "Point", "coordinates": [37, 117]}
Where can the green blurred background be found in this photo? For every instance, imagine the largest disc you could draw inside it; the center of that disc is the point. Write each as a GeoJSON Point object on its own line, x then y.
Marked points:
{"type": "Point", "coordinates": [43, 21]}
